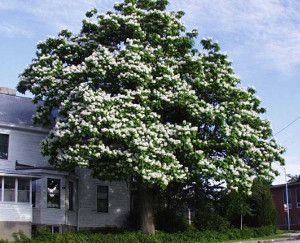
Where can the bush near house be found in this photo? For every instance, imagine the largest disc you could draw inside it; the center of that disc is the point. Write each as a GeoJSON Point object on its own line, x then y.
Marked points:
{"type": "Point", "coordinates": [191, 235]}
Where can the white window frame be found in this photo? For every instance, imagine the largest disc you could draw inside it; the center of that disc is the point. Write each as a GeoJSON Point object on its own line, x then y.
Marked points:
{"type": "Point", "coordinates": [16, 191]}
{"type": "Point", "coordinates": [60, 192]}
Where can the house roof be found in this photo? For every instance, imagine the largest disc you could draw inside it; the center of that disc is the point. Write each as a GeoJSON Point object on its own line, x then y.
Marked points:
{"type": "Point", "coordinates": [16, 110]}
{"type": "Point", "coordinates": [290, 184]}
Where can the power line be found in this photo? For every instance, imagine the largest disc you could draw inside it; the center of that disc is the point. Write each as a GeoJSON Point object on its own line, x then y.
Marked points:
{"type": "Point", "coordinates": [281, 130]}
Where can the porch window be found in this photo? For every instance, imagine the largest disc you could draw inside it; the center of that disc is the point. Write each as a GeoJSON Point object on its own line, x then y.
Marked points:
{"type": "Point", "coordinates": [9, 189]}
{"type": "Point", "coordinates": [102, 199]}
{"type": "Point", "coordinates": [4, 146]}
{"type": "Point", "coordinates": [53, 193]}
{"type": "Point", "coordinates": [23, 190]}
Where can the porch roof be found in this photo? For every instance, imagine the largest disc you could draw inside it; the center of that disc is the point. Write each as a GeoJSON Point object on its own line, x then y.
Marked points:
{"type": "Point", "coordinates": [13, 173]}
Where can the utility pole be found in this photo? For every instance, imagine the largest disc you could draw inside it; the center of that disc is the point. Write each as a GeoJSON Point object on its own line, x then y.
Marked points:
{"type": "Point", "coordinates": [287, 201]}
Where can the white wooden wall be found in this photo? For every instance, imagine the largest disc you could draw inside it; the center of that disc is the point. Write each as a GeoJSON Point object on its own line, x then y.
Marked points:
{"type": "Point", "coordinates": [118, 198]}
{"type": "Point", "coordinates": [15, 212]}
{"type": "Point", "coordinates": [24, 146]}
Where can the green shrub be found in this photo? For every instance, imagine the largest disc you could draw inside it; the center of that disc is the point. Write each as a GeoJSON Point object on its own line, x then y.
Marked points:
{"type": "Point", "coordinates": [210, 220]}
{"type": "Point", "coordinates": [189, 236]}
{"type": "Point", "coordinates": [43, 234]}
{"type": "Point", "coordinates": [167, 220]}
{"type": "Point", "coordinates": [21, 237]}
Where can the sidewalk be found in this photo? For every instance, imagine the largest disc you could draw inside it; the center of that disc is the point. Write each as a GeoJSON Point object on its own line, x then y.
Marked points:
{"type": "Point", "coordinates": [286, 237]}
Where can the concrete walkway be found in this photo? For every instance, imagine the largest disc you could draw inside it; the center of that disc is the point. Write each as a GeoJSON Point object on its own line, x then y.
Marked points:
{"type": "Point", "coordinates": [286, 237]}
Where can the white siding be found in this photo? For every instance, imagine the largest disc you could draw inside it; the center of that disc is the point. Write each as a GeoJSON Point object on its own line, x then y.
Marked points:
{"type": "Point", "coordinates": [24, 146]}
{"type": "Point", "coordinates": [15, 212]}
{"type": "Point", "coordinates": [43, 214]}
{"type": "Point", "coordinates": [118, 202]}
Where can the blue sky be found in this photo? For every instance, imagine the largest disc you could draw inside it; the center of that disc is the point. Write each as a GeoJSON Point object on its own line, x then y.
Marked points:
{"type": "Point", "coordinates": [261, 37]}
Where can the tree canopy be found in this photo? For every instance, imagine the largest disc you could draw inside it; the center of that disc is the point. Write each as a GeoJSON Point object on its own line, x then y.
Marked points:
{"type": "Point", "coordinates": [136, 98]}
{"type": "Point", "coordinates": [293, 178]}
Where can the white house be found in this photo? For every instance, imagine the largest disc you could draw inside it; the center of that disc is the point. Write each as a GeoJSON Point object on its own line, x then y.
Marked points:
{"type": "Point", "coordinates": [32, 193]}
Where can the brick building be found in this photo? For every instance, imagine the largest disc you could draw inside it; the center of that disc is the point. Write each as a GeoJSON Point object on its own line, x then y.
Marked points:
{"type": "Point", "coordinates": [279, 197]}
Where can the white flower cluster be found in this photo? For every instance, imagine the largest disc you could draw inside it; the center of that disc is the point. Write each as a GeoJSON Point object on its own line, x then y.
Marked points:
{"type": "Point", "coordinates": [134, 99]}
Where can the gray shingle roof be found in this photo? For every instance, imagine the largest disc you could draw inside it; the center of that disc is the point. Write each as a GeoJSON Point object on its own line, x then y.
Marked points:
{"type": "Point", "coordinates": [16, 110]}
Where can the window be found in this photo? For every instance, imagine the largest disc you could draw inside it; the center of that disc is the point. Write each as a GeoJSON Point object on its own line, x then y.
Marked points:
{"type": "Point", "coordinates": [23, 190]}
{"type": "Point", "coordinates": [9, 189]}
{"type": "Point", "coordinates": [71, 196]}
{"type": "Point", "coordinates": [4, 146]}
{"type": "Point", "coordinates": [290, 198]}
{"type": "Point", "coordinates": [53, 193]}
{"type": "Point", "coordinates": [33, 194]}
{"type": "Point", "coordinates": [102, 199]}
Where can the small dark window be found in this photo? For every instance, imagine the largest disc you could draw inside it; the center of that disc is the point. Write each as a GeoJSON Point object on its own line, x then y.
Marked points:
{"type": "Point", "coordinates": [4, 146]}
{"type": "Point", "coordinates": [33, 194]}
{"type": "Point", "coordinates": [102, 199]}
{"type": "Point", "coordinates": [71, 195]}
{"type": "Point", "coordinates": [53, 193]}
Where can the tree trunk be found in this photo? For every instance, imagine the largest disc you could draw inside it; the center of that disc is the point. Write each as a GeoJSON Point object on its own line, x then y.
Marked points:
{"type": "Point", "coordinates": [146, 210]}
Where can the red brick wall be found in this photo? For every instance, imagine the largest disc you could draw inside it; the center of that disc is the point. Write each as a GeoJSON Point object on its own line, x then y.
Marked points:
{"type": "Point", "coordinates": [278, 197]}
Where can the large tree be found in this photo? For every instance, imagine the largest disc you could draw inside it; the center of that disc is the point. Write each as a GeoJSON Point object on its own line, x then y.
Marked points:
{"type": "Point", "coordinates": [136, 99]}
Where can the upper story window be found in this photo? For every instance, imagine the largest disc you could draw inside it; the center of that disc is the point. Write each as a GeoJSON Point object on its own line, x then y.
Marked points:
{"type": "Point", "coordinates": [102, 199]}
{"type": "Point", "coordinates": [53, 193]}
{"type": "Point", "coordinates": [4, 138]}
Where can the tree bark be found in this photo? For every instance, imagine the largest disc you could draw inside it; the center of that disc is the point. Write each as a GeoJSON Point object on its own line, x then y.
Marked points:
{"type": "Point", "coordinates": [146, 210]}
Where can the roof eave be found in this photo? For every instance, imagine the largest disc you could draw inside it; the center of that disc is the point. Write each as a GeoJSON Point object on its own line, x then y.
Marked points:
{"type": "Point", "coordinates": [24, 127]}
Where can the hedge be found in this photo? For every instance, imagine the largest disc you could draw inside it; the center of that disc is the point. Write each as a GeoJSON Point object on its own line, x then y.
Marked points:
{"type": "Point", "coordinates": [159, 237]}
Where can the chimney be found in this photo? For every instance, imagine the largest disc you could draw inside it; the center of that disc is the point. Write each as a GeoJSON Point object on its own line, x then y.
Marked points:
{"type": "Point", "coordinates": [8, 91]}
